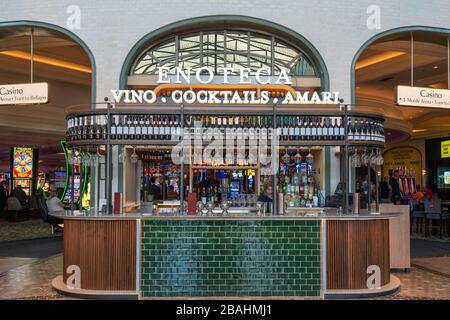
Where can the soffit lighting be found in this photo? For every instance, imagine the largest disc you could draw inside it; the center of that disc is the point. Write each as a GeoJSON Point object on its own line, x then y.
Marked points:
{"type": "Point", "coordinates": [378, 58]}
{"type": "Point", "coordinates": [46, 60]}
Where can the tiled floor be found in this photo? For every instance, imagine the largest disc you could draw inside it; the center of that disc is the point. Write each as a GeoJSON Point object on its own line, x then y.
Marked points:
{"type": "Point", "coordinates": [33, 281]}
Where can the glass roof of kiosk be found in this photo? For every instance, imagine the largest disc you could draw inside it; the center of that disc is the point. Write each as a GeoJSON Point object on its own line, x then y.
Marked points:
{"type": "Point", "coordinates": [224, 49]}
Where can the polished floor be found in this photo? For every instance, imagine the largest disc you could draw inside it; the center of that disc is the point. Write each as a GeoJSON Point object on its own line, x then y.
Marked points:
{"type": "Point", "coordinates": [31, 279]}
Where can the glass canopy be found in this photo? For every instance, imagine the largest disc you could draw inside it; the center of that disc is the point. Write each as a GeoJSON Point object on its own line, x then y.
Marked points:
{"type": "Point", "coordinates": [224, 48]}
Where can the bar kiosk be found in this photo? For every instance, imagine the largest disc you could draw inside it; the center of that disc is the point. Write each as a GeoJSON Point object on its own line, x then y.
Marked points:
{"type": "Point", "coordinates": [308, 243]}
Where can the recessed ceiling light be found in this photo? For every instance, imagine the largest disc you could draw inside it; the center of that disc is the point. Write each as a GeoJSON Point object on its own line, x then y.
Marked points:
{"type": "Point", "coordinates": [435, 67]}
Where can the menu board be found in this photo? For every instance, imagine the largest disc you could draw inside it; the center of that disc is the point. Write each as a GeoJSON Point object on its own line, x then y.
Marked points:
{"type": "Point", "coordinates": [408, 157]}
{"type": "Point", "coordinates": [445, 149]}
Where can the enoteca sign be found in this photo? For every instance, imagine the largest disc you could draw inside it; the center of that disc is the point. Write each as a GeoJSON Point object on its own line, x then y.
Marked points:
{"type": "Point", "coordinates": [26, 93]}
{"type": "Point", "coordinates": [423, 97]}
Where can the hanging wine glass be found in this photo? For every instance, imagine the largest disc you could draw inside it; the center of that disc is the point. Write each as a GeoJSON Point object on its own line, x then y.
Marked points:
{"type": "Point", "coordinates": [298, 157]}
{"type": "Point", "coordinates": [309, 157]}
{"type": "Point", "coordinates": [286, 157]}
{"type": "Point", "coordinates": [365, 158]}
{"type": "Point", "coordinates": [134, 157]}
{"type": "Point", "coordinates": [77, 157]}
{"type": "Point", "coordinates": [121, 157]}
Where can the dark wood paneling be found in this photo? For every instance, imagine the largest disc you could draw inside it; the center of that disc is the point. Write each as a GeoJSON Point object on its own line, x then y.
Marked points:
{"type": "Point", "coordinates": [105, 251]}
{"type": "Point", "coordinates": [352, 246]}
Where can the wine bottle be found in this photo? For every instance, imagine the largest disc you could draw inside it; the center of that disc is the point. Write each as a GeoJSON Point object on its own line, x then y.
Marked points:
{"type": "Point", "coordinates": [320, 135]}
{"type": "Point", "coordinates": [91, 129]}
{"type": "Point", "coordinates": [138, 125]}
{"type": "Point", "coordinates": [98, 132]}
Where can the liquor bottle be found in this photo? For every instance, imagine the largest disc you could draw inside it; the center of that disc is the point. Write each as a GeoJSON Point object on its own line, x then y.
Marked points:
{"type": "Point", "coordinates": [203, 197]}
{"type": "Point", "coordinates": [223, 128]}
{"type": "Point", "coordinates": [104, 128]}
{"type": "Point", "coordinates": [145, 125]}
{"type": "Point", "coordinates": [158, 130]}
{"type": "Point", "coordinates": [307, 128]}
{"type": "Point", "coordinates": [166, 128]}
{"type": "Point", "coordinates": [119, 134]}
{"type": "Point", "coordinates": [326, 127]}
{"type": "Point", "coordinates": [341, 128]}
{"type": "Point", "coordinates": [296, 124]}
{"type": "Point", "coordinates": [365, 130]}
{"type": "Point", "coordinates": [113, 127]}
{"type": "Point", "coordinates": [334, 129]}
{"type": "Point", "coordinates": [290, 126]}
{"type": "Point", "coordinates": [351, 130]}
{"type": "Point", "coordinates": [90, 129]}
{"type": "Point", "coordinates": [84, 128]}
{"type": "Point", "coordinates": [98, 132]}
{"type": "Point", "coordinates": [126, 128]}
{"type": "Point", "coordinates": [357, 132]}
{"type": "Point", "coordinates": [151, 128]}
{"type": "Point", "coordinates": [132, 127]}
{"type": "Point", "coordinates": [320, 135]}
{"type": "Point", "coordinates": [138, 126]}
{"type": "Point", "coordinates": [313, 126]}
{"type": "Point", "coordinates": [302, 129]}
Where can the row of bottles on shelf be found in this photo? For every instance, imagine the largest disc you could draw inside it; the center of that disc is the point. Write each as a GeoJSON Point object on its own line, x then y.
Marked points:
{"type": "Point", "coordinates": [164, 127]}
{"type": "Point", "coordinates": [365, 130]}
{"type": "Point", "coordinates": [212, 194]}
{"type": "Point", "coordinates": [298, 184]}
{"type": "Point", "coordinates": [155, 156]}
{"type": "Point", "coordinates": [407, 181]}
{"type": "Point", "coordinates": [87, 128]}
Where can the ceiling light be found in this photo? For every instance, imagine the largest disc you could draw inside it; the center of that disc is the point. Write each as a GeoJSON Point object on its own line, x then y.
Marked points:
{"type": "Point", "coordinates": [378, 58]}
{"type": "Point", "coordinates": [418, 130]}
{"type": "Point", "coordinates": [46, 60]}
{"type": "Point", "coordinates": [435, 67]}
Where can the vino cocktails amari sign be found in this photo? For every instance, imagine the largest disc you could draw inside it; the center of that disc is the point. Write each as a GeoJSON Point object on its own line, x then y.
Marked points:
{"type": "Point", "coordinates": [204, 87]}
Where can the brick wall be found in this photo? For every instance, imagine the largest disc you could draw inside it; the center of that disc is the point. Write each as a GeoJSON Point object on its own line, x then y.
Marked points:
{"type": "Point", "coordinates": [230, 258]}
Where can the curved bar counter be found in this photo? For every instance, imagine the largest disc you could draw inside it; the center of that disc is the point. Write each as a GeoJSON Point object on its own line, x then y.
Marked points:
{"type": "Point", "coordinates": [138, 255]}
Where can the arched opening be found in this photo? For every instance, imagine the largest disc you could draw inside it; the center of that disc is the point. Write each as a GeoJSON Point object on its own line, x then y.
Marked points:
{"type": "Point", "coordinates": [36, 52]}
{"type": "Point", "coordinates": [415, 57]}
{"type": "Point", "coordinates": [225, 42]}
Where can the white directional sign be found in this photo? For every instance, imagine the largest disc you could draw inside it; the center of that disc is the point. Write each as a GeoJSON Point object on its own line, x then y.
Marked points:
{"type": "Point", "coordinates": [26, 93]}
{"type": "Point", "coordinates": [423, 97]}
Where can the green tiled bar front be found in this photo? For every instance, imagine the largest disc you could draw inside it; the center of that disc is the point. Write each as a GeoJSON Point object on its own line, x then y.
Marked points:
{"type": "Point", "coordinates": [230, 258]}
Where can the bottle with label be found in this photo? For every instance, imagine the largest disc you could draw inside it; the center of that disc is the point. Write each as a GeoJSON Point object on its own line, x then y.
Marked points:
{"type": "Point", "coordinates": [113, 127]}
{"type": "Point", "coordinates": [138, 125]}
{"type": "Point", "coordinates": [119, 134]}
{"type": "Point", "coordinates": [91, 133]}
{"type": "Point", "coordinates": [313, 125]}
{"type": "Point", "coordinates": [320, 135]}
{"type": "Point", "coordinates": [98, 132]}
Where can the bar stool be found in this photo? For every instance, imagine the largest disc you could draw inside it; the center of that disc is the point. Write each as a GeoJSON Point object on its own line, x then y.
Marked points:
{"type": "Point", "coordinates": [418, 213]}
{"type": "Point", "coordinates": [433, 212]}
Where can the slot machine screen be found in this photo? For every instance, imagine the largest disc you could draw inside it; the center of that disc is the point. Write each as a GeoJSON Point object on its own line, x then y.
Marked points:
{"type": "Point", "coordinates": [23, 163]}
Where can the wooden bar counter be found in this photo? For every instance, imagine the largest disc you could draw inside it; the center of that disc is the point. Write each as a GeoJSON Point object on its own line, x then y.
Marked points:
{"type": "Point", "coordinates": [137, 255]}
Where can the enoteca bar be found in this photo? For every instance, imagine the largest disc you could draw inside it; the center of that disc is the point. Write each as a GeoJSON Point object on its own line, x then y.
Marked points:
{"type": "Point", "coordinates": [233, 163]}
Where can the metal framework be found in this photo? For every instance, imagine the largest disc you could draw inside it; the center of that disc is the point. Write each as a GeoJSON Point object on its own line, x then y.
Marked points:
{"type": "Point", "coordinates": [235, 49]}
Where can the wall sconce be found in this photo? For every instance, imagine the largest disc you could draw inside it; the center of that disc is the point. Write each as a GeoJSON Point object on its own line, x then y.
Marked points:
{"type": "Point", "coordinates": [424, 172]}
{"type": "Point", "coordinates": [379, 173]}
